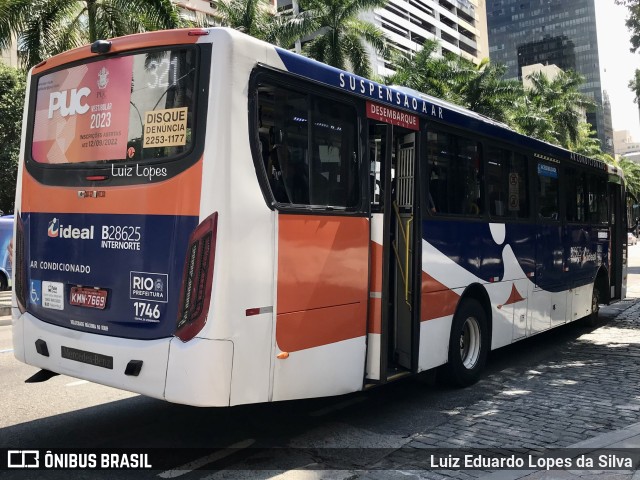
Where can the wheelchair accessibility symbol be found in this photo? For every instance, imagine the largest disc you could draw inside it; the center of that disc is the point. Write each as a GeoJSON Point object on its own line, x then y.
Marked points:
{"type": "Point", "coordinates": [35, 292]}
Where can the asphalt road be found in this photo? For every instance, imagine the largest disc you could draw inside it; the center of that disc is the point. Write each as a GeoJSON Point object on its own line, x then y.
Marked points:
{"type": "Point", "coordinates": [213, 443]}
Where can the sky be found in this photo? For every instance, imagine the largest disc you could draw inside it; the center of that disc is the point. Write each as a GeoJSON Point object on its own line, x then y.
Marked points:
{"type": "Point", "coordinates": [617, 65]}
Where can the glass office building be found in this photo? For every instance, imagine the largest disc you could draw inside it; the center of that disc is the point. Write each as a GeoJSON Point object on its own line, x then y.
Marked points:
{"type": "Point", "coordinates": [559, 32]}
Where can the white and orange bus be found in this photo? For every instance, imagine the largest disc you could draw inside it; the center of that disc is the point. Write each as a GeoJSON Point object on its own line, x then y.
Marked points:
{"type": "Point", "coordinates": [207, 219]}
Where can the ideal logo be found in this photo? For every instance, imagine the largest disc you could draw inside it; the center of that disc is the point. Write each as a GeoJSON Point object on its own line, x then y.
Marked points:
{"type": "Point", "coordinates": [72, 106]}
{"type": "Point", "coordinates": [68, 231]}
{"type": "Point", "coordinates": [149, 286]}
{"type": "Point", "coordinates": [53, 229]}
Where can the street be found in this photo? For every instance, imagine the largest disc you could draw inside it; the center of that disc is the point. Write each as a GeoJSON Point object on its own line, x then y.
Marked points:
{"type": "Point", "coordinates": [553, 390]}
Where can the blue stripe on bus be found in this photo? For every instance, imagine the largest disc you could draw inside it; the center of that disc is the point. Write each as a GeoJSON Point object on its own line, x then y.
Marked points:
{"type": "Point", "coordinates": [565, 257]}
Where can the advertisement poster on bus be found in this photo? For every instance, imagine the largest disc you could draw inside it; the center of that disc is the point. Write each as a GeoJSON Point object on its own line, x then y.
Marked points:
{"type": "Point", "coordinates": [82, 113]}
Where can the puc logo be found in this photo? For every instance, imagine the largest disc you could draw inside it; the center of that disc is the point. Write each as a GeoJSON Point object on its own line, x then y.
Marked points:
{"type": "Point", "coordinates": [58, 101]}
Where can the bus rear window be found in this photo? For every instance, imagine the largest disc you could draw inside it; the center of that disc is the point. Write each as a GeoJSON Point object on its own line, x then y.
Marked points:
{"type": "Point", "coordinates": [135, 108]}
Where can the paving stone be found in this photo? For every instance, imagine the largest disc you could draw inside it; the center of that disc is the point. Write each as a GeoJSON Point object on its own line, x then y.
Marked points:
{"type": "Point", "coordinates": [591, 387]}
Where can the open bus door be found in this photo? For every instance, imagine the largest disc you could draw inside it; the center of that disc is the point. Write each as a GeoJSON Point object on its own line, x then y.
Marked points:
{"type": "Point", "coordinates": [617, 239]}
{"type": "Point", "coordinates": [633, 226]}
{"type": "Point", "coordinates": [393, 326]}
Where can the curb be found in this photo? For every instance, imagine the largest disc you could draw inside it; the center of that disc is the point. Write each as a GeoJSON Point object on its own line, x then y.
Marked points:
{"type": "Point", "coordinates": [615, 439]}
{"type": "Point", "coordinates": [5, 310]}
{"type": "Point", "coordinates": [628, 437]}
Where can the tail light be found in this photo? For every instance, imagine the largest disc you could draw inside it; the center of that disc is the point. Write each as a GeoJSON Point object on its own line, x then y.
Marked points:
{"type": "Point", "coordinates": [19, 268]}
{"type": "Point", "coordinates": [197, 279]}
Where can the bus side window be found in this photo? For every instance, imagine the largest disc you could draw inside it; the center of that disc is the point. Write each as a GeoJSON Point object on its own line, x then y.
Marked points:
{"type": "Point", "coordinates": [274, 172]}
{"type": "Point", "coordinates": [456, 174]}
{"type": "Point", "coordinates": [312, 147]}
{"type": "Point", "coordinates": [548, 191]}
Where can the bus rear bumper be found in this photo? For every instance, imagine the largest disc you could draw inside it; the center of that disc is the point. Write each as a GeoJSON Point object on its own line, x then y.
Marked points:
{"type": "Point", "coordinates": [194, 373]}
{"type": "Point", "coordinates": [199, 372]}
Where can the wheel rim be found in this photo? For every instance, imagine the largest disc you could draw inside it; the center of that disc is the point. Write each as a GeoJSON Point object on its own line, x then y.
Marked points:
{"type": "Point", "coordinates": [595, 304]}
{"type": "Point", "coordinates": [470, 343]}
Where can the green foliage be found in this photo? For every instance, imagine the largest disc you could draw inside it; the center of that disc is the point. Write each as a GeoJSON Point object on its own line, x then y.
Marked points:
{"type": "Point", "coordinates": [47, 27]}
{"type": "Point", "coordinates": [633, 21]}
{"type": "Point", "coordinates": [477, 87]}
{"type": "Point", "coordinates": [631, 171]}
{"type": "Point", "coordinates": [634, 86]}
{"type": "Point", "coordinates": [340, 36]}
{"type": "Point", "coordinates": [562, 104]}
{"type": "Point", "coordinates": [256, 18]}
{"type": "Point", "coordinates": [550, 111]}
{"type": "Point", "coordinates": [12, 88]}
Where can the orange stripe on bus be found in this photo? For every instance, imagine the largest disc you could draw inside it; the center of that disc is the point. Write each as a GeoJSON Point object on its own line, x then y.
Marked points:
{"type": "Point", "coordinates": [437, 300]}
{"type": "Point", "coordinates": [179, 195]}
{"type": "Point", "coordinates": [323, 265]}
{"type": "Point", "coordinates": [312, 328]}
{"type": "Point", "coordinates": [122, 44]}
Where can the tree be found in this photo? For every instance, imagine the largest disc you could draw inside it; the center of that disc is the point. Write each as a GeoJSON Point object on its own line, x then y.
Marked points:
{"type": "Point", "coordinates": [340, 35]}
{"type": "Point", "coordinates": [255, 18]}
{"type": "Point", "coordinates": [480, 88]}
{"type": "Point", "coordinates": [562, 104]}
{"type": "Point", "coordinates": [12, 88]}
{"type": "Point", "coordinates": [631, 171]}
{"type": "Point", "coordinates": [634, 86]}
{"type": "Point", "coordinates": [46, 27]}
{"type": "Point", "coordinates": [633, 24]}
{"type": "Point", "coordinates": [633, 21]}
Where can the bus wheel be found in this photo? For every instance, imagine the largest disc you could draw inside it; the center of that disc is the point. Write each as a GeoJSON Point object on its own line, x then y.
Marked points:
{"type": "Point", "coordinates": [592, 320]}
{"type": "Point", "coordinates": [468, 344]}
{"type": "Point", "coordinates": [4, 283]}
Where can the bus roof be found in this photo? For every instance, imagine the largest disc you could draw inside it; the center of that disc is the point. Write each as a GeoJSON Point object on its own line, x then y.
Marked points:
{"type": "Point", "coordinates": [414, 101]}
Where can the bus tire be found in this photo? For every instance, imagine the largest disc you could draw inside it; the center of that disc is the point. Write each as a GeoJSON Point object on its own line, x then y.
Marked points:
{"type": "Point", "coordinates": [593, 319]}
{"type": "Point", "coordinates": [4, 282]}
{"type": "Point", "coordinates": [468, 344]}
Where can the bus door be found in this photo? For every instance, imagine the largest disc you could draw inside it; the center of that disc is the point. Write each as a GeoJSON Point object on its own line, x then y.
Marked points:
{"type": "Point", "coordinates": [617, 240]}
{"type": "Point", "coordinates": [393, 321]}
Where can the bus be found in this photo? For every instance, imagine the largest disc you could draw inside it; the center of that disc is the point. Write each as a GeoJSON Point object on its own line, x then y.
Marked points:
{"type": "Point", "coordinates": [205, 218]}
{"type": "Point", "coordinates": [6, 234]}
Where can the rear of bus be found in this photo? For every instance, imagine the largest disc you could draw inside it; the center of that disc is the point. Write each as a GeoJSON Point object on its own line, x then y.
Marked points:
{"type": "Point", "coordinates": [113, 255]}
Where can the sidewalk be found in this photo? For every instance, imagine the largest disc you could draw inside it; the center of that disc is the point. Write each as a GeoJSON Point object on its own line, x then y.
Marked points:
{"type": "Point", "coordinates": [623, 438]}
{"type": "Point", "coordinates": [5, 307]}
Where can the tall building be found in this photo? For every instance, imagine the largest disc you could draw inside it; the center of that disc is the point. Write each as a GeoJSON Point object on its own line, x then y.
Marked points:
{"type": "Point", "coordinates": [559, 32]}
{"type": "Point", "coordinates": [626, 146]}
{"type": "Point", "coordinates": [10, 55]}
{"type": "Point", "coordinates": [460, 26]}
{"type": "Point", "coordinates": [608, 123]}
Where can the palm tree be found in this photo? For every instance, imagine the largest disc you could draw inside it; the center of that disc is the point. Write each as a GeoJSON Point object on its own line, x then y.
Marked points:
{"type": "Point", "coordinates": [559, 100]}
{"type": "Point", "coordinates": [425, 72]}
{"type": "Point", "coordinates": [255, 18]}
{"type": "Point", "coordinates": [340, 35]}
{"type": "Point", "coordinates": [480, 88]}
{"type": "Point", "coordinates": [46, 27]}
{"type": "Point", "coordinates": [631, 171]}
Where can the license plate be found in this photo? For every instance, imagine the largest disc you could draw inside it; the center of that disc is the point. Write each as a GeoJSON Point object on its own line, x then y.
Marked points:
{"type": "Point", "coordinates": [88, 297]}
